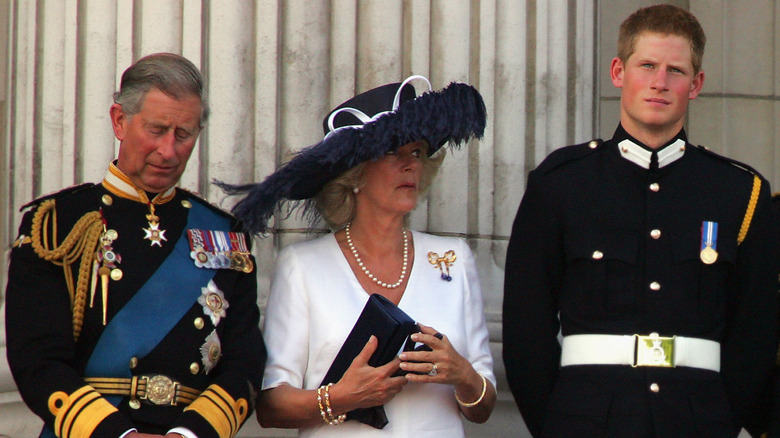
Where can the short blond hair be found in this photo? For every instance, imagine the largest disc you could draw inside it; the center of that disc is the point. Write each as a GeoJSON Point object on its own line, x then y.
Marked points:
{"type": "Point", "coordinates": [337, 201]}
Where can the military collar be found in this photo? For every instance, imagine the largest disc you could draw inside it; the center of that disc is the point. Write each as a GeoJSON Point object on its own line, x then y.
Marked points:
{"type": "Point", "coordinates": [639, 154]}
{"type": "Point", "coordinates": [120, 185]}
{"type": "Point", "coordinates": [643, 157]}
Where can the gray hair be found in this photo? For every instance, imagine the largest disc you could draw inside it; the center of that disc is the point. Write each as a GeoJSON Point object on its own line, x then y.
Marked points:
{"type": "Point", "coordinates": [170, 73]}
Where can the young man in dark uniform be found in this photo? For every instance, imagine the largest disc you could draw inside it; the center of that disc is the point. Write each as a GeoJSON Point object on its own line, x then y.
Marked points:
{"type": "Point", "coordinates": [652, 256]}
{"type": "Point", "coordinates": [131, 304]}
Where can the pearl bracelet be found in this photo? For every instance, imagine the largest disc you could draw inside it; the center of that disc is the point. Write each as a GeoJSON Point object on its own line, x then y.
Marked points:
{"type": "Point", "coordinates": [323, 400]}
{"type": "Point", "coordinates": [481, 396]}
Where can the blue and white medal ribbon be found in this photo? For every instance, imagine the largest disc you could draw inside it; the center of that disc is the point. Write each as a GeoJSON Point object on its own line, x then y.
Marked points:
{"type": "Point", "coordinates": [709, 242]}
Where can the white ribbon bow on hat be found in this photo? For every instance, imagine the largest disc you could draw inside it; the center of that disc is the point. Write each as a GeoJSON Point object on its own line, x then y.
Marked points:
{"type": "Point", "coordinates": [363, 117]}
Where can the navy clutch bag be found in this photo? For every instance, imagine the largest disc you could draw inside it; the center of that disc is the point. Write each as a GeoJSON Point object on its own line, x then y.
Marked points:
{"type": "Point", "coordinates": [391, 326]}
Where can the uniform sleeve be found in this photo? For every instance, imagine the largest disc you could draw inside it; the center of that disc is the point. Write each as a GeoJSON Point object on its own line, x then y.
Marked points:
{"type": "Point", "coordinates": [230, 398]}
{"type": "Point", "coordinates": [286, 326]}
{"type": "Point", "coordinates": [41, 349]}
{"type": "Point", "coordinates": [750, 344]}
{"type": "Point", "coordinates": [478, 353]}
{"type": "Point", "coordinates": [533, 272]}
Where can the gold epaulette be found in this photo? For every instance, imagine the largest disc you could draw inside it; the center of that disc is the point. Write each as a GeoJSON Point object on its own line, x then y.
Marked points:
{"type": "Point", "coordinates": [751, 208]}
{"type": "Point", "coordinates": [81, 242]}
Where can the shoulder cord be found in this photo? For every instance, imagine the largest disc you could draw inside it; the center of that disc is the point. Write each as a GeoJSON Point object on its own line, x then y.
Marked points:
{"type": "Point", "coordinates": [751, 208]}
{"type": "Point", "coordinates": [81, 242]}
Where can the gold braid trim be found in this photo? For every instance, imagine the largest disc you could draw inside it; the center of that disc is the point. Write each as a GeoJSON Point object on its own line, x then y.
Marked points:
{"type": "Point", "coordinates": [81, 242]}
{"type": "Point", "coordinates": [750, 209]}
{"type": "Point", "coordinates": [80, 413]}
{"type": "Point", "coordinates": [224, 413]}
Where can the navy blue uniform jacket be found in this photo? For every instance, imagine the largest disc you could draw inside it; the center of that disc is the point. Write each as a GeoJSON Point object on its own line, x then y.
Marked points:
{"type": "Point", "coordinates": [48, 365]}
{"type": "Point", "coordinates": [584, 199]}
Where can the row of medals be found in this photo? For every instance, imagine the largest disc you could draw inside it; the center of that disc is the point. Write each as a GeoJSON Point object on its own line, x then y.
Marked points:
{"type": "Point", "coordinates": [235, 260]}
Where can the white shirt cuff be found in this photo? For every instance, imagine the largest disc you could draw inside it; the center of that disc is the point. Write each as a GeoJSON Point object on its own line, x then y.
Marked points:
{"type": "Point", "coordinates": [183, 431]}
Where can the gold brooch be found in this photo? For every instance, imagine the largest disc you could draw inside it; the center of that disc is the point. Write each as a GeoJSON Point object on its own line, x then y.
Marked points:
{"type": "Point", "coordinates": [443, 263]}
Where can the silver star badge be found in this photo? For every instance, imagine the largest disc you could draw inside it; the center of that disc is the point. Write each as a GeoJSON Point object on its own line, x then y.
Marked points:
{"type": "Point", "coordinates": [211, 351]}
{"type": "Point", "coordinates": [213, 301]}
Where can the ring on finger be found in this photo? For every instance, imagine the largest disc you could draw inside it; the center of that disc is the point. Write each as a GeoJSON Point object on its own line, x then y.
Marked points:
{"type": "Point", "coordinates": [434, 370]}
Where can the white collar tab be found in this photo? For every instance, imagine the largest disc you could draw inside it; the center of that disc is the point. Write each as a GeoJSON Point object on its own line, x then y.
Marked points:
{"type": "Point", "coordinates": [642, 157]}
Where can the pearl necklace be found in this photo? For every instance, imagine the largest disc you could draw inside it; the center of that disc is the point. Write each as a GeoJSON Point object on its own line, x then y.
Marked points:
{"type": "Point", "coordinates": [368, 273]}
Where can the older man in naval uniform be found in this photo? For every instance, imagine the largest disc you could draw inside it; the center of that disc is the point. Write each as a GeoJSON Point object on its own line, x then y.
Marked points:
{"type": "Point", "coordinates": [652, 256]}
{"type": "Point", "coordinates": [131, 304]}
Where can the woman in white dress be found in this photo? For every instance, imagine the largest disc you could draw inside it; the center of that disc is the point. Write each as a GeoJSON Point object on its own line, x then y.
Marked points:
{"type": "Point", "coordinates": [363, 179]}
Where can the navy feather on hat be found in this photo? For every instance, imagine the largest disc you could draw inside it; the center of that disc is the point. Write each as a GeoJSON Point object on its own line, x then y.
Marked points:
{"type": "Point", "coordinates": [364, 128]}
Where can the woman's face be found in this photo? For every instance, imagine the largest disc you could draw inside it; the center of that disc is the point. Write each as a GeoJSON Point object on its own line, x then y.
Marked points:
{"type": "Point", "coordinates": [391, 184]}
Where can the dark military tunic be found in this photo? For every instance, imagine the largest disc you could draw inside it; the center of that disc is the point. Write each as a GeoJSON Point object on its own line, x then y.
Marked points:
{"type": "Point", "coordinates": [604, 243]}
{"type": "Point", "coordinates": [48, 366]}
{"type": "Point", "coordinates": [774, 415]}
{"type": "Point", "coordinates": [765, 421]}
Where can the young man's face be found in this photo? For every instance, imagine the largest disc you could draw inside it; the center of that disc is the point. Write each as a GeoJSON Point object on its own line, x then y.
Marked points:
{"type": "Point", "coordinates": [657, 81]}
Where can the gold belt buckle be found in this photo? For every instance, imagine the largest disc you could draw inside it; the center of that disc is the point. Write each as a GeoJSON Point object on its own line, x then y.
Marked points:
{"type": "Point", "coordinates": [654, 351]}
{"type": "Point", "coordinates": [160, 390]}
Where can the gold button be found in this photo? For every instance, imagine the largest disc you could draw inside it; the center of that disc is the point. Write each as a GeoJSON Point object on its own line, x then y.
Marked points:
{"type": "Point", "coordinates": [107, 200]}
{"type": "Point", "coordinates": [654, 387]}
{"type": "Point", "coordinates": [655, 285]}
{"type": "Point", "coordinates": [598, 255]}
{"type": "Point", "coordinates": [624, 149]}
{"type": "Point", "coordinates": [194, 368]}
{"type": "Point", "coordinates": [133, 362]}
{"type": "Point", "coordinates": [116, 274]}
{"type": "Point", "coordinates": [655, 234]}
{"type": "Point", "coordinates": [186, 204]}
{"type": "Point", "coordinates": [655, 187]}
{"type": "Point", "coordinates": [135, 404]}
{"type": "Point", "coordinates": [199, 323]}
{"type": "Point", "coordinates": [593, 144]}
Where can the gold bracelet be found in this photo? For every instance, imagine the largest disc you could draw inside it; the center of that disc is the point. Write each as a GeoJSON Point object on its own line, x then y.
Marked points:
{"type": "Point", "coordinates": [319, 402]}
{"type": "Point", "coordinates": [323, 400]}
{"type": "Point", "coordinates": [333, 420]}
{"type": "Point", "coordinates": [481, 396]}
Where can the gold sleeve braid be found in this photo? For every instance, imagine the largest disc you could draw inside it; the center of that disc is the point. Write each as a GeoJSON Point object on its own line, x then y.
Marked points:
{"type": "Point", "coordinates": [81, 242]}
{"type": "Point", "coordinates": [750, 209]}
{"type": "Point", "coordinates": [78, 414]}
{"type": "Point", "coordinates": [224, 413]}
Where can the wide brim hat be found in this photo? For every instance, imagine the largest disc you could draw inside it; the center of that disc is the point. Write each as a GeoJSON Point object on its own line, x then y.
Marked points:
{"type": "Point", "coordinates": [364, 128]}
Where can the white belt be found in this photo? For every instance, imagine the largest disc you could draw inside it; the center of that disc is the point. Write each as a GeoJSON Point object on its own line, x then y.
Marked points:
{"type": "Point", "coordinates": [637, 350]}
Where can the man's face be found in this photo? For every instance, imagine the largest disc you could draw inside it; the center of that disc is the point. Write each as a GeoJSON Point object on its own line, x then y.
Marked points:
{"type": "Point", "coordinates": [156, 143]}
{"type": "Point", "coordinates": [657, 81]}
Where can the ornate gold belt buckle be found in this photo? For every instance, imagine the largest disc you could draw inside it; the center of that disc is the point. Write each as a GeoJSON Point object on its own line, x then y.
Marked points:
{"type": "Point", "coordinates": [654, 351]}
{"type": "Point", "coordinates": [161, 390]}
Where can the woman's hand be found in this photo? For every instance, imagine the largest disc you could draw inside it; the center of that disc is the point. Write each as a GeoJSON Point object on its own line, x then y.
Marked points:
{"type": "Point", "coordinates": [451, 367]}
{"type": "Point", "coordinates": [364, 386]}
{"type": "Point", "coordinates": [443, 364]}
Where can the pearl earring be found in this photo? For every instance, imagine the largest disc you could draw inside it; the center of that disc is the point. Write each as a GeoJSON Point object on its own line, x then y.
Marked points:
{"type": "Point", "coordinates": [355, 190]}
